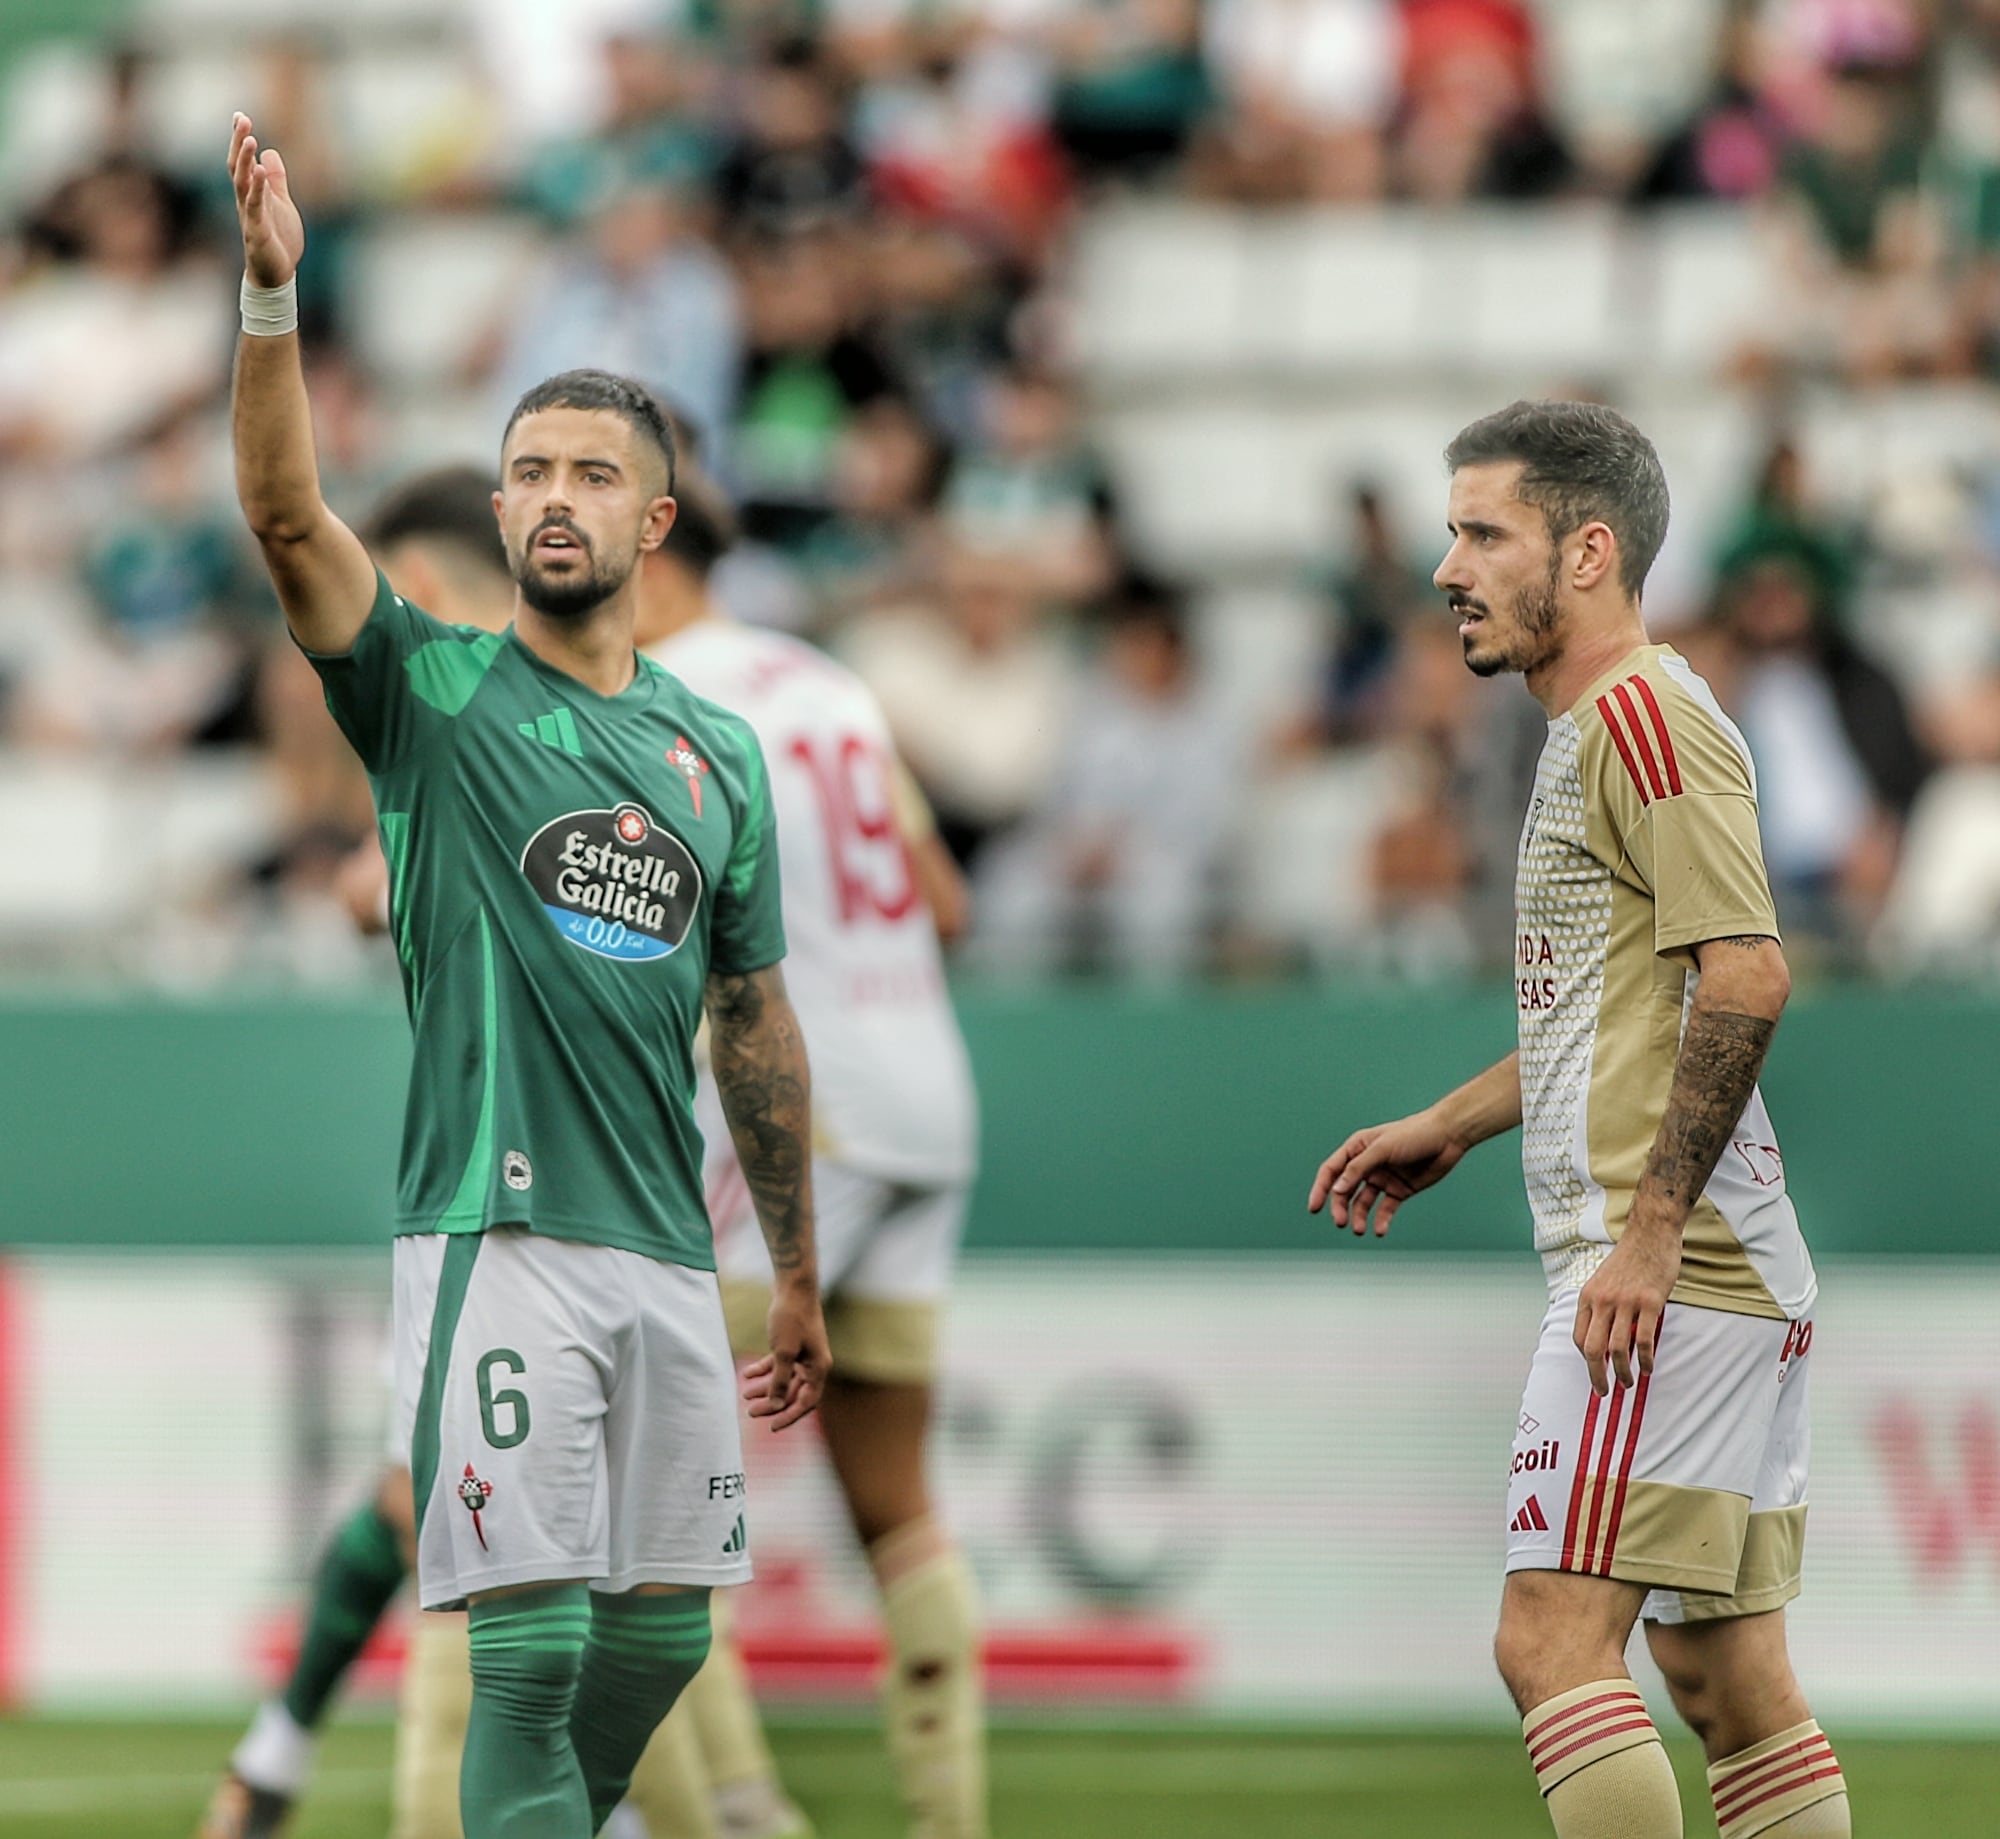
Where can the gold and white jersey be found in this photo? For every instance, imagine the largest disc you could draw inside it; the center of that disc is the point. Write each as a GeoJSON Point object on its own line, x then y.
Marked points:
{"type": "Point", "coordinates": [1641, 843]}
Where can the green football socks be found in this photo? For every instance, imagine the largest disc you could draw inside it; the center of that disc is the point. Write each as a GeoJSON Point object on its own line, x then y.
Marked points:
{"type": "Point", "coordinates": [643, 1650]}
{"type": "Point", "coordinates": [520, 1778]}
{"type": "Point", "coordinates": [361, 1571]}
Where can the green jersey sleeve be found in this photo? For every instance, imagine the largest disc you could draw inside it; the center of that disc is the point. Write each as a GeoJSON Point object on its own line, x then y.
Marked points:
{"type": "Point", "coordinates": [748, 932]}
{"type": "Point", "coordinates": [402, 680]}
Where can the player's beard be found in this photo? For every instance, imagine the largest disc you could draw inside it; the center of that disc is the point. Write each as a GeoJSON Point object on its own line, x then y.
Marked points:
{"type": "Point", "coordinates": [1535, 616]}
{"type": "Point", "coordinates": [571, 598]}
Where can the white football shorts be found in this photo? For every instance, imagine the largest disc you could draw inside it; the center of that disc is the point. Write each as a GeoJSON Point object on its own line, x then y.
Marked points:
{"type": "Point", "coordinates": [887, 1250]}
{"type": "Point", "coordinates": [1692, 1481]}
{"type": "Point", "coordinates": [573, 1412]}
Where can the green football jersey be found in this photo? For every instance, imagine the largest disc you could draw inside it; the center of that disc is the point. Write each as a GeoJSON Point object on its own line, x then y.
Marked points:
{"type": "Point", "coordinates": [565, 871]}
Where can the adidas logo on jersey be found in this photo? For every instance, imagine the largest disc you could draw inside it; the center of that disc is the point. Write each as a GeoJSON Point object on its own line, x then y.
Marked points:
{"type": "Point", "coordinates": [738, 1540]}
{"type": "Point", "coordinates": [1530, 1519]}
{"type": "Point", "coordinates": [555, 729]}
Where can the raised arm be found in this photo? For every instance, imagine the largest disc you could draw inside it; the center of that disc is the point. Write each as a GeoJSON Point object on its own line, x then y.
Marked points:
{"type": "Point", "coordinates": [1743, 989]}
{"type": "Point", "coordinates": [758, 1056]}
{"type": "Point", "coordinates": [325, 581]}
{"type": "Point", "coordinates": [1382, 1166]}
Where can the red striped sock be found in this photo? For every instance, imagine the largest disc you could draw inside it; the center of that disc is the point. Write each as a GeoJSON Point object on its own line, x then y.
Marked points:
{"type": "Point", "coordinates": [1784, 1785]}
{"type": "Point", "coordinates": [1577, 1728]}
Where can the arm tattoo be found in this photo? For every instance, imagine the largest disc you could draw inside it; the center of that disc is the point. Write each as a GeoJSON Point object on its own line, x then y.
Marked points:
{"type": "Point", "coordinates": [1721, 1054]}
{"type": "Point", "coordinates": [759, 1059]}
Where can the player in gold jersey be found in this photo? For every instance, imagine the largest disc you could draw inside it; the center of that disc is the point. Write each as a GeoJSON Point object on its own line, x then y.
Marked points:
{"type": "Point", "coordinates": [1659, 1467]}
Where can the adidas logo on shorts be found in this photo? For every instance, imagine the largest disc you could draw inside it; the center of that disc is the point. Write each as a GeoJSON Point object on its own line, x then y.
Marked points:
{"type": "Point", "coordinates": [1530, 1519]}
{"type": "Point", "coordinates": [738, 1540]}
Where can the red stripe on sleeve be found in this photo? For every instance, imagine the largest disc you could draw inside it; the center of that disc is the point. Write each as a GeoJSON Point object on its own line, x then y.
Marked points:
{"type": "Point", "coordinates": [1639, 735]}
{"type": "Point", "coordinates": [1576, 1486]}
{"type": "Point", "coordinates": [1659, 722]}
{"type": "Point", "coordinates": [1624, 747]}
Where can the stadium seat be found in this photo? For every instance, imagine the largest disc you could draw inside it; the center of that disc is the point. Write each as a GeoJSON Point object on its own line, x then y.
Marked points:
{"type": "Point", "coordinates": [1344, 290]}
{"type": "Point", "coordinates": [1540, 294]}
{"type": "Point", "coordinates": [1161, 293]}
{"type": "Point", "coordinates": [1305, 841]}
{"type": "Point", "coordinates": [1711, 278]}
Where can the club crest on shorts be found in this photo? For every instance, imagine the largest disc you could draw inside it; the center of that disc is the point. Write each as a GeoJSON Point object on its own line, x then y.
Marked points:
{"type": "Point", "coordinates": [686, 761]}
{"type": "Point", "coordinates": [475, 1493]}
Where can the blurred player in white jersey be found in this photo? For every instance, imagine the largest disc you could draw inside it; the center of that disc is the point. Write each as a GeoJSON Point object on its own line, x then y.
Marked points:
{"type": "Point", "coordinates": [895, 1149]}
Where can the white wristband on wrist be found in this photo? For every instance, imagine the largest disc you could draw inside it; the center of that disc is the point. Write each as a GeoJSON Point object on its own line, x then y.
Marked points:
{"type": "Point", "coordinates": [270, 312]}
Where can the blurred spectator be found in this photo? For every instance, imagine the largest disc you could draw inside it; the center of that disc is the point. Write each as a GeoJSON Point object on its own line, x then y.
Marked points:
{"type": "Point", "coordinates": [117, 326]}
{"type": "Point", "coordinates": [792, 167]}
{"type": "Point", "coordinates": [813, 363]}
{"type": "Point", "coordinates": [639, 293]}
{"type": "Point", "coordinates": [168, 659]}
{"type": "Point", "coordinates": [957, 133]}
{"type": "Point", "coordinates": [1423, 861]}
{"type": "Point", "coordinates": [1839, 764]}
{"type": "Point", "coordinates": [1376, 593]}
{"type": "Point", "coordinates": [1132, 86]}
{"type": "Point", "coordinates": [1943, 912]}
{"type": "Point", "coordinates": [656, 128]}
{"type": "Point", "coordinates": [1033, 489]}
{"type": "Point", "coordinates": [546, 63]}
{"type": "Point", "coordinates": [978, 689]}
{"type": "Point", "coordinates": [1782, 523]}
{"type": "Point", "coordinates": [945, 312]}
{"type": "Point", "coordinates": [1471, 123]}
{"type": "Point", "coordinates": [1307, 87]}
{"type": "Point", "coordinates": [1117, 868]}
{"type": "Point", "coordinates": [887, 475]}
{"type": "Point", "coordinates": [1733, 143]}
{"type": "Point", "coordinates": [1864, 246]}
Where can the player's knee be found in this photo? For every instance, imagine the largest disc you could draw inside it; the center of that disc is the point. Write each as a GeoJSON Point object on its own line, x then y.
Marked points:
{"type": "Point", "coordinates": [1692, 1691]}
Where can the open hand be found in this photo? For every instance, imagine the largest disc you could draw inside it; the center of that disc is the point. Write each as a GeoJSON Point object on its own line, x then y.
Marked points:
{"type": "Point", "coordinates": [785, 1384]}
{"type": "Point", "coordinates": [274, 235]}
{"type": "Point", "coordinates": [1380, 1168]}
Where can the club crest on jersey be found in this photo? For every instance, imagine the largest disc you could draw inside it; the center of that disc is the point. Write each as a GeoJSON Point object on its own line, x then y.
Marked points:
{"type": "Point", "coordinates": [684, 760]}
{"type": "Point", "coordinates": [475, 1493]}
{"type": "Point", "coordinates": [615, 883]}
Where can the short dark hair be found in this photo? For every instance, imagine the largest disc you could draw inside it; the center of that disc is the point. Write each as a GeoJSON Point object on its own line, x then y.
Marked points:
{"type": "Point", "coordinates": [633, 403]}
{"type": "Point", "coordinates": [1581, 463]}
{"type": "Point", "coordinates": [448, 504]}
{"type": "Point", "coordinates": [704, 526]}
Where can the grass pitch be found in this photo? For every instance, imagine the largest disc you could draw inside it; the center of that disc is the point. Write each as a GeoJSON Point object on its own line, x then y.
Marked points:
{"type": "Point", "coordinates": [63, 1779]}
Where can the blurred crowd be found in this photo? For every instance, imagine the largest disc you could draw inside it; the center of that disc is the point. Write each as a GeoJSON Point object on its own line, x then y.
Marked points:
{"type": "Point", "coordinates": [836, 238]}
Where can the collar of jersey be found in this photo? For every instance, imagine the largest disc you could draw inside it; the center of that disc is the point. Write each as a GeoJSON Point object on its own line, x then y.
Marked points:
{"type": "Point", "coordinates": [637, 694]}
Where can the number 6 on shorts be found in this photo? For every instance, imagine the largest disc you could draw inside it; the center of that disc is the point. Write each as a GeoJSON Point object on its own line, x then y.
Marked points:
{"type": "Point", "coordinates": [514, 1400]}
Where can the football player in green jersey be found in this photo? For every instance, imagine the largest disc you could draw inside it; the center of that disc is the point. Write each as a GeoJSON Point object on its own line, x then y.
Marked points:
{"type": "Point", "coordinates": [582, 860]}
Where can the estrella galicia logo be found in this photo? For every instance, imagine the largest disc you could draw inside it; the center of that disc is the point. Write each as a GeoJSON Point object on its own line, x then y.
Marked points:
{"type": "Point", "coordinates": [614, 882]}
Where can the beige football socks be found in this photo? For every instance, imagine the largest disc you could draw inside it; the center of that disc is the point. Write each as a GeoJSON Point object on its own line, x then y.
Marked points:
{"type": "Point", "coordinates": [933, 1697]}
{"type": "Point", "coordinates": [430, 1729]}
{"type": "Point", "coordinates": [717, 1714]}
{"type": "Point", "coordinates": [1601, 1766]}
{"type": "Point", "coordinates": [670, 1785]}
{"type": "Point", "coordinates": [1789, 1784]}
